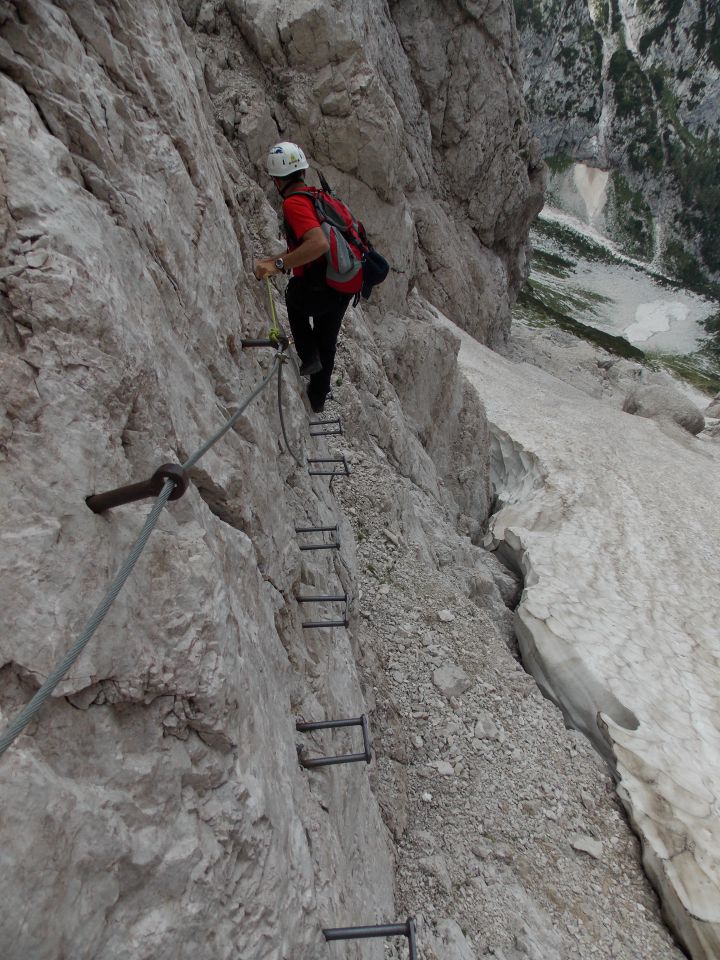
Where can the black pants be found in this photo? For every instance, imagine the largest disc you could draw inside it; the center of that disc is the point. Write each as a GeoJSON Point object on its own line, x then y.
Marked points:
{"type": "Point", "coordinates": [327, 307]}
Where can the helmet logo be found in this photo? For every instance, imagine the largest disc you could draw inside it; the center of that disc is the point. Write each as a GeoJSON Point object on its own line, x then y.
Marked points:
{"type": "Point", "coordinates": [285, 158]}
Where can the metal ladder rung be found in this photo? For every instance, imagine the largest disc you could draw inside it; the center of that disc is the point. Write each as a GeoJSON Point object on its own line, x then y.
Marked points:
{"type": "Point", "coordinates": [344, 471]}
{"type": "Point", "coordinates": [326, 598]}
{"type": "Point", "coordinates": [332, 545]}
{"type": "Point", "coordinates": [322, 598]}
{"type": "Point", "coordinates": [326, 428]}
{"type": "Point", "coordinates": [406, 929]}
{"type": "Point", "coordinates": [303, 727]}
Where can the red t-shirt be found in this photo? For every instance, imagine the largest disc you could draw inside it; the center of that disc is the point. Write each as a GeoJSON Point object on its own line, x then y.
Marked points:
{"type": "Point", "coordinates": [299, 212]}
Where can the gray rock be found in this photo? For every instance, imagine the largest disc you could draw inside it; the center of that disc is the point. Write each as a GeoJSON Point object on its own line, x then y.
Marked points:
{"type": "Point", "coordinates": [436, 866]}
{"type": "Point", "coordinates": [444, 768]}
{"type": "Point", "coordinates": [446, 942]}
{"type": "Point", "coordinates": [485, 727]}
{"type": "Point", "coordinates": [451, 680]}
{"type": "Point", "coordinates": [713, 408]}
{"type": "Point", "coordinates": [176, 792]}
{"type": "Point", "coordinates": [575, 105]}
{"type": "Point", "coordinates": [482, 849]}
{"type": "Point", "coordinates": [664, 403]}
{"type": "Point", "coordinates": [190, 10]}
{"type": "Point", "coordinates": [585, 844]}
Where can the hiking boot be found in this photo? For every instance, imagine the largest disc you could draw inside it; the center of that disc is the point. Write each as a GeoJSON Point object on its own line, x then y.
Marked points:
{"type": "Point", "coordinates": [311, 367]}
{"type": "Point", "coordinates": [317, 404]}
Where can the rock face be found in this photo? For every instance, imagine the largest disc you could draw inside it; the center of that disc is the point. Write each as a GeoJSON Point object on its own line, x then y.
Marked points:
{"type": "Point", "coordinates": [633, 87]}
{"type": "Point", "coordinates": [415, 114]}
{"type": "Point", "coordinates": [156, 808]}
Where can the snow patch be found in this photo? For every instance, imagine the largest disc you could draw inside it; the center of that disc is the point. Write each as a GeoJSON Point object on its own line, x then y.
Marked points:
{"type": "Point", "coordinates": [652, 318]}
{"type": "Point", "coordinates": [632, 303]}
{"type": "Point", "coordinates": [665, 324]}
{"type": "Point", "coordinates": [591, 185]}
{"type": "Point", "coordinates": [615, 532]}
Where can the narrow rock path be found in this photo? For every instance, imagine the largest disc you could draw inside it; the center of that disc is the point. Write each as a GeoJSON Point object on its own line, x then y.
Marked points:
{"type": "Point", "coordinates": [510, 841]}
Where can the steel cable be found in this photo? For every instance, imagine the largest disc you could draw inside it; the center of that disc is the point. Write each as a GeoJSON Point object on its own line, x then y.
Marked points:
{"type": "Point", "coordinates": [229, 424]}
{"type": "Point", "coordinates": [282, 418]}
{"type": "Point", "coordinates": [31, 709]}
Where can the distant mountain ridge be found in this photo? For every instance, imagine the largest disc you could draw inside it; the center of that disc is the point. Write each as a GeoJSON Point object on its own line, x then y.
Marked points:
{"type": "Point", "coordinates": [634, 86]}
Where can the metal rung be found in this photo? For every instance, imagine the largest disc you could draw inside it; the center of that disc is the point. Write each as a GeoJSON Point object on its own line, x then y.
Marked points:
{"type": "Point", "coordinates": [343, 471]}
{"type": "Point", "coordinates": [332, 545]}
{"type": "Point", "coordinates": [326, 598]}
{"type": "Point", "coordinates": [322, 598]}
{"type": "Point", "coordinates": [315, 529]}
{"type": "Point", "coordinates": [320, 546]}
{"type": "Point", "coordinates": [282, 341]}
{"type": "Point", "coordinates": [366, 755]}
{"type": "Point", "coordinates": [319, 624]}
{"type": "Point", "coordinates": [326, 428]}
{"type": "Point", "coordinates": [406, 929]}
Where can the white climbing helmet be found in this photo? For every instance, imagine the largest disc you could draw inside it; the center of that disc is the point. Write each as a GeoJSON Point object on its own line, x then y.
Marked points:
{"type": "Point", "coordinates": [285, 158]}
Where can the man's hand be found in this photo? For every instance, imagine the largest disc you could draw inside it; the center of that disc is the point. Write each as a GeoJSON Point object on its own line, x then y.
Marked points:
{"type": "Point", "coordinates": [314, 245]}
{"type": "Point", "coordinates": [265, 268]}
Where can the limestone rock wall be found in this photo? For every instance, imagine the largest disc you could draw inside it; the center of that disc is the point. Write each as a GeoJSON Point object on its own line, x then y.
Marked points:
{"type": "Point", "coordinates": [449, 198]}
{"type": "Point", "coordinates": [156, 808]}
{"type": "Point", "coordinates": [632, 86]}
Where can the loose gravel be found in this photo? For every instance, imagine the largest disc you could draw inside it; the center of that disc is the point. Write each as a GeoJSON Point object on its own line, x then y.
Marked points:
{"type": "Point", "coordinates": [509, 837]}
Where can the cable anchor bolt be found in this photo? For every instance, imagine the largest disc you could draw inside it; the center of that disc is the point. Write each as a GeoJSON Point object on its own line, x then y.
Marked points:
{"type": "Point", "coordinates": [100, 502]}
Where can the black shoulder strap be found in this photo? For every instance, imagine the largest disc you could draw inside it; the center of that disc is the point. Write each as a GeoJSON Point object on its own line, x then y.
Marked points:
{"type": "Point", "coordinates": [289, 234]}
{"type": "Point", "coordinates": [324, 184]}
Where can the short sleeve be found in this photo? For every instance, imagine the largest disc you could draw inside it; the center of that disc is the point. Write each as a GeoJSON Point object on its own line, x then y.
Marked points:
{"type": "Point", "coordinates": [299, 211]}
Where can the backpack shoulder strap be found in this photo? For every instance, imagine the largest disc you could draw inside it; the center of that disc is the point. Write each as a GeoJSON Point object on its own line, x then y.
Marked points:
{"type": "Point", "coordinates": [304, 191]}
{"type": "Point", "coordinates": [310, 194]}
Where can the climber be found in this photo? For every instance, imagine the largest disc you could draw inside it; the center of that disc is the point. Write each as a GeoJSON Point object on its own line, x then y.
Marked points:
{"type": "Point", "coordinates": [307, 294]}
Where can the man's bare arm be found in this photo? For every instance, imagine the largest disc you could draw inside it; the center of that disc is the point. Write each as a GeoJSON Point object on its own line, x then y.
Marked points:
{"type": "Point", "coordinates": [314, 244]}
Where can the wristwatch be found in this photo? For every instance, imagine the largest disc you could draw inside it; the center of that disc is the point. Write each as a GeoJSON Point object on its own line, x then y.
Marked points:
{"type": "Point", "coordinates": [280, 264]}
